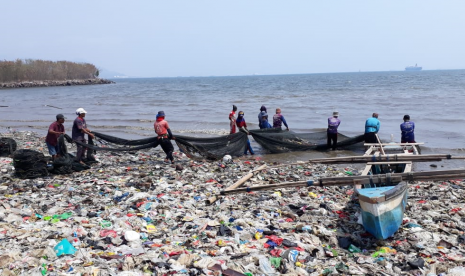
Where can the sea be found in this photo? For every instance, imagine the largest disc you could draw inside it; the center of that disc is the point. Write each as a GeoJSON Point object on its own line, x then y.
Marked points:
{"type": "Point", "coordinates": [199, 106]}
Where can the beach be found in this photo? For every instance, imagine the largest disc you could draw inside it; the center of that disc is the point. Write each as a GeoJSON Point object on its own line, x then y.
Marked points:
{"type": "Point", "coordinates": [131, 214]}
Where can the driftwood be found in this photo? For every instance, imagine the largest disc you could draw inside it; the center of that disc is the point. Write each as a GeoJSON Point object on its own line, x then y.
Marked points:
{"type": "Point", "coordinates": [53, 106]}
{"type": "Point", "coordinates": [385, 158]}
{"type": "Point", "coordinates": [238, 183]}
{"type": "Point", "coordinates": [358, 180]}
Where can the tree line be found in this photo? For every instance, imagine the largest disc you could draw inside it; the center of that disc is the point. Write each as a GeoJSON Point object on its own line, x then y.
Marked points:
{"type": "Point", "coordinates": [42, 70]}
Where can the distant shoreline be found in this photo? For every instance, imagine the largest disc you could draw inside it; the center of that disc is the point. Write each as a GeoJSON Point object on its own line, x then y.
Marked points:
{"type": "Point", "coordinates": [48, 83]}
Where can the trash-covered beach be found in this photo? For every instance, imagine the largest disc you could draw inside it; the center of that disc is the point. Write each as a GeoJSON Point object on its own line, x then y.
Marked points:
{"type": "Point", "coordinates": [132, 214]}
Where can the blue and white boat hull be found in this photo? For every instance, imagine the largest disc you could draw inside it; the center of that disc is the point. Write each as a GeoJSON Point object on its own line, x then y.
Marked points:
{"type": "Point", "coordinates": [383, 209]}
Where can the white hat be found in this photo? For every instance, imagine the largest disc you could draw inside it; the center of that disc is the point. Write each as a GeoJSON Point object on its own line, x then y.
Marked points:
{"type": "Point", "coordinates": [80, 111]}
{"type": "Point", "coordinates": [335, 113]}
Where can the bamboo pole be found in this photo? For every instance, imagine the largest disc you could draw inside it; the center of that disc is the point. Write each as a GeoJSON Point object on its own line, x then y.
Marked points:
{"type": "Point", "coordinates": [238, 183]}
{"type": "Point", "coordinates": [393, 144]}
{"type": "Point", "coordinates": [380, 145]}
{"type": "Point", "coordinates": [386, 158]}
{"type": "Point", "coordinates": [364, 179]}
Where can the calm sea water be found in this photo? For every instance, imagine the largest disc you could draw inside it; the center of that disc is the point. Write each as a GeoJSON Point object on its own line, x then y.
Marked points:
{"type": "Point", "coordinates": [199, 106]}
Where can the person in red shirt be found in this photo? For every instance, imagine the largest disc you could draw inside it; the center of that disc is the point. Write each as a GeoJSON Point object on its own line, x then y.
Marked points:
{"type": "Point", "coordinates": [54, 131]}
{"type": "Point", "coordinates": [242, 125]}
{"type": "Point", "coordinates": [232, 120]}
{"type": "Point", "coordinates": [163, 131]}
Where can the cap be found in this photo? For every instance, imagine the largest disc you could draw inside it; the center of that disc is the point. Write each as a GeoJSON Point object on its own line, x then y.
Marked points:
{"type": "Point", "coordinates": [335, 113]}
{"type": "Point", "coordinates": [161, 114]}
{"type": "Point", "coordinates": [241, 113]}
{"type": "Point", "coordinates": [60, 116]}
{"type": "Point", "coordinates": [80, 111]}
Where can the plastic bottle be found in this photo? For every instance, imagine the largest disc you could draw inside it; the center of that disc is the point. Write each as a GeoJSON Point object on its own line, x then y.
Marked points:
{"type": "Point", "coordinates": [265, 266]}
{"type": "Point", "coordinates": [354, 249]}
{"type": "Point", "coordinates": [259, 234]}
{"type": "Point", "coordinates": [237, 238]}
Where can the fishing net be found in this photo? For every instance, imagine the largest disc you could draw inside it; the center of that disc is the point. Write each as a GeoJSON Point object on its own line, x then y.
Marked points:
{"type": "Point", "coordinates": [7, 146]}
{"type": "Point", "coordinates": [30, 164]}
{"type": "Point", "coordinates": [213, 148]}
{"type": "Point", "coordinates": [66, 163]}
{"type": "Point", "coordinates": [197, 148]}
{"type": "Point", "coordinates": [277, 141]}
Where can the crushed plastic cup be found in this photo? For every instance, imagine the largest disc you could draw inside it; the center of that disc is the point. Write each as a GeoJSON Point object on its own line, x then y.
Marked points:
{"type": "Point", "coordinates": [131, 236]}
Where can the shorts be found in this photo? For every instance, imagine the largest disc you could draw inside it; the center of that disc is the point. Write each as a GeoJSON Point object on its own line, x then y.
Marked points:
{"type": "Point", "coordinates": [53, 150]}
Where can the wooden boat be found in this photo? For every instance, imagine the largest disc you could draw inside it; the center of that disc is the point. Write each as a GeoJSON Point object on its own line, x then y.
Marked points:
{"type": "Point", "coordinates": [383, 202]}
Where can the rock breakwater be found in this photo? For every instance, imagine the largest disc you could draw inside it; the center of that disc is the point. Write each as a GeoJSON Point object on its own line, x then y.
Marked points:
{"type": "Point", "coordinates": [25, 84]}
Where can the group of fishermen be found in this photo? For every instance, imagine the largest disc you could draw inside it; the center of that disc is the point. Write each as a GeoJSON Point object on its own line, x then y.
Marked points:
{"type": "Point", "coordinates": [80, 129]}
{"type": "Point", "coordinates": [164, 134]}
{"type": "Point", "coordinates": [239, 122]}
{"type": "Point", "coordinates": [372, 126]}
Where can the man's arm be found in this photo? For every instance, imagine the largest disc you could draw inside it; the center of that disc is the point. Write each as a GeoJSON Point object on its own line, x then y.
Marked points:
{"type": "Point", "coordinates": [170, 135]}
{"type": "Point", "coordinates": [284, 122]}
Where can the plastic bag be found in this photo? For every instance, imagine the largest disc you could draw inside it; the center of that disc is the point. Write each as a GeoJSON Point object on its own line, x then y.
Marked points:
{"type": "Point", "coordinates": [64, 248]}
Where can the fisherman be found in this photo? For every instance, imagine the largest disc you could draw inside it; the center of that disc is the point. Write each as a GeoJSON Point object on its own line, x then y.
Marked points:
{"type": "Point", "coordinates": [264, 120]}
{"type": "Point", "coordinates": [163, 131]}
{"type": "Point", "coordinates": [78, 134]}
{"type": "Point", "coordinates": [278, 119]}
{"type": "Point", "coordinates": [407, 129]}
{"type": "Point", "coordinates": [242, 125]}
{"type": "Point", "coordinates": [333, 124]}
{"type": "Point", "coordinates": [54, 131]}
{"type": "Point", "coordinates": [232, 120]}
{"type": "Point", "coordinates": [371, 128]}
{"type": "Point", "coordinates": [263, 108]}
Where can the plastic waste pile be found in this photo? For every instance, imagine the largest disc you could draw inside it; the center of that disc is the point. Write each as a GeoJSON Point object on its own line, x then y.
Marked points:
{"type": "Point", "coordinates": [132, 214]}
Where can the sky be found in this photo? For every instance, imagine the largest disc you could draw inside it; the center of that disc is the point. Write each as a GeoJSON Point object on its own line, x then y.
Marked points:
{"type": "Point", "coordinates": [154, 38]}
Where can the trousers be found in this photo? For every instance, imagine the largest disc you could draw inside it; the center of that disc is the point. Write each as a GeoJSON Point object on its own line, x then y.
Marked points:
{"type": "Point", "coordinates": [332, 137]}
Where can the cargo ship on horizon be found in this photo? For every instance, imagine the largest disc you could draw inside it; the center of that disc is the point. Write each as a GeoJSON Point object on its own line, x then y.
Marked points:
{"type": "Point", "coordinates": [413, 68]}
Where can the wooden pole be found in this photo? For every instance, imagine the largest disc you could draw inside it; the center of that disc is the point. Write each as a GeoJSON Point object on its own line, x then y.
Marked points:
{"type": "Point", "coordinates": [385, 158]}
{"type": "Point", "coordinates": [393, 144]}
{"type": "Point", "coordinates": [238, 183]}
{"type": "Point", "coordinates": [364, 179]}
{"type": "Point", "coordinates": [380, 145]}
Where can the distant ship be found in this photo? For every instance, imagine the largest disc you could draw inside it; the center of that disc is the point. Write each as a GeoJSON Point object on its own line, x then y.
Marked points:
{"type": "Point", "coordinates": [413, 68]}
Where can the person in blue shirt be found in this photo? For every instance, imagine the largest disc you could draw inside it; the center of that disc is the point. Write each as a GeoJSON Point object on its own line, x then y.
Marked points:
{"type": "Point", "coordinates": [371, 129]}
{"type": "Point", "coordinates": [264, 120]}
{"type": "Point", "coordinates": [262, 108]}
{"type": "Point", "coordinates": [407, 130]}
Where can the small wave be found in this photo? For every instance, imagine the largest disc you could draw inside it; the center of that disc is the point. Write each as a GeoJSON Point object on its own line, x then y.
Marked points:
{"type": "Point", "coordinates": [205, 131]}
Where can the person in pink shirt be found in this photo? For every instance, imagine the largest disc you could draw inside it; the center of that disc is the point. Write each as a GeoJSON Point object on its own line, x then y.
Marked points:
{"type": "Point", "coordinates": [163, 131]}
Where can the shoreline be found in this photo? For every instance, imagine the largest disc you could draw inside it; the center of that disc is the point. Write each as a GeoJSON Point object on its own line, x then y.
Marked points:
{"type": "Point", "coordinates": [311, 230]}
{"type": "Point", "coordinates": [48, 83]}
